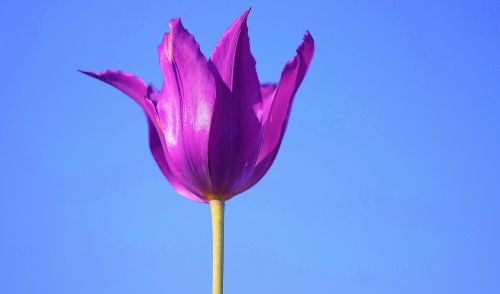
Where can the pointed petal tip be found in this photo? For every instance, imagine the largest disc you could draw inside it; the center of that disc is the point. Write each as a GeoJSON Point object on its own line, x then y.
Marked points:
{"type": "Point", "coordinates": [89, 73]}
{"type": "Point", "coordinates": [130, 84]}
{"type": "Point", "coordinates": [305, 49]}
{"type": "Point", "coordinates": [236, 26]}
{"type": "Point", "coordinates": [103, 73]}
{"type": "Point", "coordinates": [307, 40]}
{"type": "Point", "coordinates": [247, 12]}
{"type": "Point", "coordinates": [175, 24]}
{"type": "Point", "coordinates": [241, 20]}
{"type": "Point", "coordinates": [107, 72]}
{"type": "Point", "coordinates": [244, 17]}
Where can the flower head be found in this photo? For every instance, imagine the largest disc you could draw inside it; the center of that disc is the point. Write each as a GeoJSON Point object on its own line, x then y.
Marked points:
{"type": "Point", "coordinates": [214, 130]}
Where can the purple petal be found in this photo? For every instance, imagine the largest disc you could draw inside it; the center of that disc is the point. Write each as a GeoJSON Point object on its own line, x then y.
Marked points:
{"type": "Point", "coordinates": [267, 91]}
{"type": "Point", "coordinates": [165, 131]}
{"type": "Point", "coordinates": [144, 95]}
{"type": "Point", "coordinates": [235, 125]}
{"type": "Point", "coordinates": [129, 84]}
{"type": "Point", "coordinates": [275, 125]}
{"type": "Point", "coordinates": [156, 147]}
{"type": "Point", "coordinates": [185, 106]}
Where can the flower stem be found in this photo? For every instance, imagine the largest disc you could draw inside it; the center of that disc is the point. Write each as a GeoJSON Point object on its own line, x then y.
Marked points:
{"type": "Point", "coordinates": [217, 209]}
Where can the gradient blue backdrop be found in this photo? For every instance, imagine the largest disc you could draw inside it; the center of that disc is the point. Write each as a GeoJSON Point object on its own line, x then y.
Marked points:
{"type": "Point", "coordinates": [387, 180]}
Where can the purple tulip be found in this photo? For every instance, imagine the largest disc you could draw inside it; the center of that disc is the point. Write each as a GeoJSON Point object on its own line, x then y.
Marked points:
{"type": "Point", "coordinates": [214, 130]}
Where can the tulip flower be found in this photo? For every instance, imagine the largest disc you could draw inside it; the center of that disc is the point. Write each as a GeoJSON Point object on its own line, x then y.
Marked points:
{"type": "Point", "coordinates": [214, 130]}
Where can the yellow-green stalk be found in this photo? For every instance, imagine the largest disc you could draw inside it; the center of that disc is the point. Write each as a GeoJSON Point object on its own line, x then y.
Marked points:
{"type": "Point", "coordinates": [217, 210]}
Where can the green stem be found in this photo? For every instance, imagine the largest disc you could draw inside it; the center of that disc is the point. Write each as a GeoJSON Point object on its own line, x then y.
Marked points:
{"type": "Point", "coordinates": [217, 209]}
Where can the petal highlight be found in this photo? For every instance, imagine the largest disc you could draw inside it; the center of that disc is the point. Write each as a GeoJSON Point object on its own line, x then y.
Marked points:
{"type": "Point", "coordinates": [158, 154]}
{"type": "Point", "coordinates": [186, 104]}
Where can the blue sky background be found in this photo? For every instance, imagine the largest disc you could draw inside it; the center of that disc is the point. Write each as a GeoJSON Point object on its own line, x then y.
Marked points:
{"type": "Point", "coordinates": [388, 179]}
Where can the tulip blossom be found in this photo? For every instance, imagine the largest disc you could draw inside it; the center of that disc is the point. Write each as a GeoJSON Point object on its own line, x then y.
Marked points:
{"type": "Point", "coordinates": [214, 130]}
